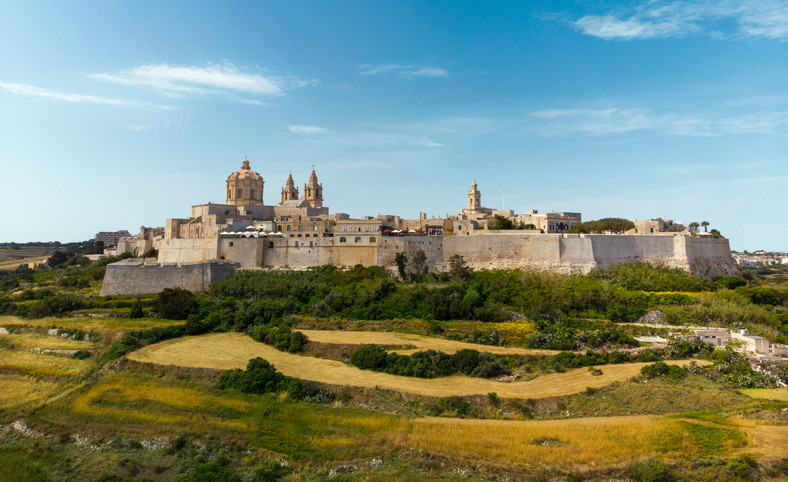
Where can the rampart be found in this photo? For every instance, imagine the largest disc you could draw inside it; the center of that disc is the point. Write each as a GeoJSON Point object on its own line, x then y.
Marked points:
{"type": "Point", "coordinates": [131, 277]}
{"type": "Point", "coordinates": [565, 253]}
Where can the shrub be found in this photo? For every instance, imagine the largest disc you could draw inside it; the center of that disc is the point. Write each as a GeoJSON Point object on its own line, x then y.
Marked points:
{"type": "Point", "coordinates": [176, 304]}
{"type": "Point", "coordinates": [81, 355]}
{"type": "Point", "coordinates": [136, 310]}
{"type": "Point", "coordinates": [663, 370]}
{"type": "Point", "coordinates": [651, 470]}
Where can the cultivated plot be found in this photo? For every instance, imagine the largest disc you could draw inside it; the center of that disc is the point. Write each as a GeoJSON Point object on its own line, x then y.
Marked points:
{"type": "Point", "coordinates": [234, 350]}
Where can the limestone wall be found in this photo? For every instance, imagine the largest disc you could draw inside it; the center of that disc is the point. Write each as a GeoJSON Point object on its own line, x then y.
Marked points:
{"type": "Point", "coordinates": [178, 250]}
{"type": "Point", "coordinates": [132, 276]}
{"type": "Point", "coordinates": [565, 253]}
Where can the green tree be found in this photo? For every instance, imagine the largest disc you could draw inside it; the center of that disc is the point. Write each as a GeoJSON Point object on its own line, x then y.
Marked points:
{"type": "Point", "coordinates": [176, 303]}
{"type": "Point", "coordinates": [457, 269]}
{"type": "Point", "coordinates": [705, 225]}
{"type": "Point", "coordinates": [694, 225]}
{"type": "Point", "coordinates": [401, 261]}
{"type": "Point", "coordinates": [417, 265]}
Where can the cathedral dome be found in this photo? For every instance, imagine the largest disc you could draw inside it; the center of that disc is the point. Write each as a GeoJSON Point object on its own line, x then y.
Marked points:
{"type": "Point", "coordinates": [245, 173]}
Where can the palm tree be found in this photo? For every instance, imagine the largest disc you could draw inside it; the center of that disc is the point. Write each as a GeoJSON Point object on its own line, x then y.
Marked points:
{"type": "Point", "coordinates": [694, 225]}
{"type": "Point", "coordinates": [704, 224]}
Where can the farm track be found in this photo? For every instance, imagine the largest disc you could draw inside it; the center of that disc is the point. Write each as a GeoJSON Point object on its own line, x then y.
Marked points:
{"type": "Point", "coordinates": [234, 350]}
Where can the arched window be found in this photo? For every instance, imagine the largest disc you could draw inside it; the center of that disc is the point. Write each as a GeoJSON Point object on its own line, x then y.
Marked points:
{"type": "Point", "coordinates": [342, 239]}
{"type": "Point", "coordinates": [279, 228]}
{"type": "Point", "coordinates": [358, 239]}
{"type": "Point", "coordinates": [288, 227]}
{"type": "Point", "coordinates": [239, 193]}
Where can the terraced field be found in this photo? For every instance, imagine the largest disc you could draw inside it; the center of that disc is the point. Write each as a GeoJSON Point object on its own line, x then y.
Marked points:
{"type": "Point", "coordinates": [418, 342]}
{"type": "Point", "coordinates": [233, 350]}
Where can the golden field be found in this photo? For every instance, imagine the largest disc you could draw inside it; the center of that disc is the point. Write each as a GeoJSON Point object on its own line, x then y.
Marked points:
{"type": "Point", "coordinates": [233, 350]}
{"type": "Point", "coordinates": [418, 342]}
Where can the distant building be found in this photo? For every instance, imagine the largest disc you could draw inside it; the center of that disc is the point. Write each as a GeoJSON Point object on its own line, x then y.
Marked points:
{"type": "Point", "coordinates": [110, 238]}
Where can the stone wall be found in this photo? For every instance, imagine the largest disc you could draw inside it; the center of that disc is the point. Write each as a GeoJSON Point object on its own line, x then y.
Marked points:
{"type": "Point", "coordinates": [131, 276]}
{"type": "Point", "coordinates": [565, 253]}
{"type": "Point", "coordinates": [182, 250]}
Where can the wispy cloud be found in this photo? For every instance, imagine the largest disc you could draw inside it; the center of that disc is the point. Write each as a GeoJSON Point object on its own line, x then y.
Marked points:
{"type": "Point", "coordinates": [660, 19]}
{"type": "Point", "coordinates": [177, 80]}
{"type": "Point", "coordinates": [619, 120]}
{"type": "Point", "coordinates": [33, 91]}
{"type": "Point", "coordinates": [402, 71]}
{"type": "Point", "coordinates": [297, 129]}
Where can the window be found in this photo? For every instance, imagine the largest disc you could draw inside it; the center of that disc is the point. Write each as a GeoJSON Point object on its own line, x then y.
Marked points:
{"type": "Point", "coordinates": [239, 193]}
{"type": "Point", "coordinates": [342, 239]}
{"type": "Point", "coordinates": [288, 227]}
{"type": "Point", "coordinates": [358, 240]}
{"type": "Point", "coordinates": [296, 245]}
{"type": "Point", "coordinates": [311, 244]}
{"type": "Point", "coordinates": [251, 194]}
{"type": "Point", "coordinates": [375, 229]}
{"type": "Point", "coordinates": [315, 227]}
{"type": "Point", "coordinates": [360, 229]}
{"type": "Point", "coordinates": [279, 228]}
{"type": "Point", "coordinates": [371, 239]}
{"type": "Point", "coordinates": [300, 228]}
{"type": "Point", "coordinates": [652, 230]}
{"type": "Point", "coordinates": [270, 244]}
{"type": "Point", "coordinates": [231, 243]}
{"type": "Point", "coordinates": [344, 228]}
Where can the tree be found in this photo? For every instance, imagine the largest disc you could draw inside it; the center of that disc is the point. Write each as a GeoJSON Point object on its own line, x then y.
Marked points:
{"type": "Point", "coordinates": [417, 265]}
{"type": "Point", "coordinates": [401, 260]}
{"type": "Point", "coordinates": [705, 225]}
{"type": "Point", "coordinates": [500, 222]}
{"type": "Point", "coordinates": [457, 269]}
{"type": "Point", "coordinates": [615, 225]}
{"type": "Point", "coordinates": [694, 225]}
{"type": "Point", "coordinates": [176, 303]}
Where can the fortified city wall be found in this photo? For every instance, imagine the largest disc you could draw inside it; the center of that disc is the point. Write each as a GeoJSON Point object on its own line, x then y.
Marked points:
{"type": "Point", "coordinates": [566, 253]}
{"type": "Point", "coordinates": [132, 277]}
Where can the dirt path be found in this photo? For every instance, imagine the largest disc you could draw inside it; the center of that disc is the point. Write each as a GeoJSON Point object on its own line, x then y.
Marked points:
{"type": "Point", "coordinates": [233, 350]}
{"type": "Point", "coordinates": [420, 342]}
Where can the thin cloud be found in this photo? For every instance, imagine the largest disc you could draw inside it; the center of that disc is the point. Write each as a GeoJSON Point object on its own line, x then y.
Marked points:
{"type": "Point", "coordinates": [33, 91]}
{"type": "Point", "coordinates": [660, 19]}
{"type": "Point", "coordinates": [402, 71]}
{"type": "Point", "coordinates": [617, 120]}
{"type": "Point", "coordinates": [297, 129]}
{"type": "Point", "coordinates": [177, 80]}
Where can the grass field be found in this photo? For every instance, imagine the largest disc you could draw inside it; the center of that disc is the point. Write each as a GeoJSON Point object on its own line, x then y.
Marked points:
{"type": "Point", "coordinates": [127, 405]}
{"type": "Point", "coordinates": [233, 350]}
{"type": "Point", "coordinates": [780, 394]}
{"type": "Point", "coordinates": [101, 324]}
{"type": "Point", "coordinates": [11, 264]}
{"type": "Point", "coordinates": [419, 342]}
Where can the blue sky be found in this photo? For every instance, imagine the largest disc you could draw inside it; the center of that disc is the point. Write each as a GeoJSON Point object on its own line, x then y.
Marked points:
{"type": "Point", "coordinates": [119, 114]}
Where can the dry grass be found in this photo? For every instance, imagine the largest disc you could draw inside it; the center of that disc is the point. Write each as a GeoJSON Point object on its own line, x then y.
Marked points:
{"type": "Point", "coordinates": [27, 341]}
{"type": "Point", "coordinates": [233, 350]}
{"type": "Point", "coordinates": [25, 362]}
{"type": "Point", "coordinates": [16, 390]}
{"type": "Point", "coordinates": [780, 394]}
{"type": "Point", "coordinates": [581, 443]}
{"type": "Point", "coordinates": [12, 264]}
{"type": "Point", "coordinates": [420, 342]}
{"type": "Point", "coordinates": [88, 323]}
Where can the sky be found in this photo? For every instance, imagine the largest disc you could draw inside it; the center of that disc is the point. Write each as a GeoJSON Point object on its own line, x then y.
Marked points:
{"type": "Point", "coordinates": [119, 114]}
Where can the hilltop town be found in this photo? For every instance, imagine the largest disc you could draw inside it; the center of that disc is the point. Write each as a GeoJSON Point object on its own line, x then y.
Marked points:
{"type": "Point", "coordinates": [300, 231]}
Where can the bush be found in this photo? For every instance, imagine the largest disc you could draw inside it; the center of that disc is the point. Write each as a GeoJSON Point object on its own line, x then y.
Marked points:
{"type": "Point", "coordinates": [54, 305]}
{"type": "Point", "coordinates": [261, 377]}
{"type": "Point", "coordinates": [176, 304]}
{"type": "Point", "coordinates": [136, 310]}
{"type": "Point", "coordinates": [651, 470]}
{"type": "Point", "coordinates": [663, 370]}
{"type": "Point", "coordinates": [81, 355]}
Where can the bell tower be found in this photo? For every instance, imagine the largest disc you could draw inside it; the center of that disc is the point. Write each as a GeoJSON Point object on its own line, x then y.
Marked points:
{"type": "Point", "coordinates": [313, 192]}
{"type": "Point", "coordinates": [474, 198]}
{"type": "Point", "coordinates": [289, 192]}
